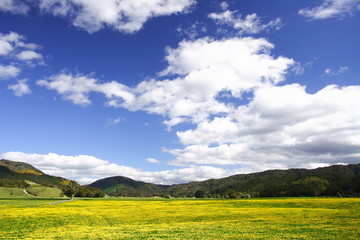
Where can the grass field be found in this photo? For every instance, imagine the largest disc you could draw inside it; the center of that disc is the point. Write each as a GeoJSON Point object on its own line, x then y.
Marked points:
{"type": "Point", "coordinates": [287, 218]}
{"type": "Point", "coordinates": [13, 193]}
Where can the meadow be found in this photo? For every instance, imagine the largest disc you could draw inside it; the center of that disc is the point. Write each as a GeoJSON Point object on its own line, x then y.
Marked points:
{"type": "Point", "coordinates": [272, 218]}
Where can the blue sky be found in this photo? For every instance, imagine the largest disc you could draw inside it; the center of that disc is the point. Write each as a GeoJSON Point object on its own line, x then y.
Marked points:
{"type": "Point", "coordinates": [176, 91]}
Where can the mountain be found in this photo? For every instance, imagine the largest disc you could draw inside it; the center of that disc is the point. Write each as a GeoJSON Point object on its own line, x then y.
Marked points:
{"type": "Point", "coordinates": [337, 180]}
{"type": "Point", "coordinates": [35, 183]}
{"type": "Point", "coordinates": [127, 187]}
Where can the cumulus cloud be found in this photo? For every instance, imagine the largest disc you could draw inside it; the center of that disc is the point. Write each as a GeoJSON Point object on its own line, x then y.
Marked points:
{"type": "Point", "coordinates": [202, 70]}
{"type": "Point", "coordinates": [339, 71]}
{"type": "Point", "coordinates": [14, 6]}
{"type": "Point", "coordinates": [251, 24]}
{"type": "Point", "coordinates": [281, 127]}
{"type": "Point", "coordinates": [205, 83]}
{"type": "Point", "coordinates": [86, 169]}
{"type": "Point", "coordinates": [8, 71]}
{"type": "Point", "coordinates": [123, 15]}
{"type": "Point", "coordinates": [28, 55]}
{"type": "Point", "coordinates": [21, 88]}
{"type": "Point", "coordinates": [331, 9]}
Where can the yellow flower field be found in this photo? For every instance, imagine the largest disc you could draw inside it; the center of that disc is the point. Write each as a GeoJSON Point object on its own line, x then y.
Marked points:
{"type": "Point", "coordinates": [287, 218]}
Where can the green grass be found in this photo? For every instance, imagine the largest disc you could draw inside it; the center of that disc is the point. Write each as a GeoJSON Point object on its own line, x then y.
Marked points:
{"type": "Point", "coordinates": [13, 193]}
{"type": "Point", "coordinates": [273, 218]}
{"type": "Point", "coordinates": [45, 192]}
{"type": "Point", "coordinates": [32, 191]}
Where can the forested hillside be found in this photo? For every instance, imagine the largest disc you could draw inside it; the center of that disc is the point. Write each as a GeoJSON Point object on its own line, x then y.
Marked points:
{"type": "Point", "coordinates": [335, 180]}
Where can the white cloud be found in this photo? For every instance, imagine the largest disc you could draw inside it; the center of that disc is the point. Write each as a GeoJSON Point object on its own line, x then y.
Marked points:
{"type": "Point", "coordinates": [5, 47]}
{"type": "Point", "coordinates": [331, 9]}
{"type": "Point", "coordinates": [224, 6]}
{"type": "Point", "coordinates": [28, 55]}
{"type": "Point", "coordinates": [153, 160]}
{"type": "Point", "coordinates": [87, 169]}
{"type": "Point", "coordinates": [276, 127]}
{"type": "Point", "coordinates": [205, 68]}
{"type": "Point", "coordinates": [339, 71]}
{"type": "Point", "coordinates": [21, 88]}
{"type": "Point", "coordinates": [123, 15]}
{"type": "Point", "coordinates": [281, 127]}
{"type": "Point", "coordinates": [77, 88]}
{"type": "Point", "coordinates": [8, 71]}
{"type": "Point", "coordinates": [14, 6]}
{"type": "Point", "coordinates": [13, 46]}
{"type": "Point", "coordinates": [251, 24]}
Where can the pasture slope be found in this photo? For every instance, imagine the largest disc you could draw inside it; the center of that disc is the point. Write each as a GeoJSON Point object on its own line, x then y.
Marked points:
{"type": "Point", "coordinates": [265, 218]}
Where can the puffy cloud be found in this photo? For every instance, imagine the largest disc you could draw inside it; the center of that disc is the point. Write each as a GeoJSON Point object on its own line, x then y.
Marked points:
{"type": "Point", "coordinates": [203, 69]}
{"type": "Point", "coordinates": [339, 71]}
{"type": "Point", "coordinates": [21, 88]}
{"type": "Point", "coordinates": [28, 55]}
{"type": "Point", "coordinates": [87, 169]}
{"type": "Point", "coordinates": [282, 127]}
{"type": "Point", "coordinates": [206, 83]}
{"type": "Point", "coordinates": [331, 9]}
{"type": "Point", "coordinates": [14, 6]}
{"type": "Point", "coordinates": [8, 71]}
{"type": "Point", "coordinates": [123, 15]}
{"type": "Point", "coordinates": [251, 24]}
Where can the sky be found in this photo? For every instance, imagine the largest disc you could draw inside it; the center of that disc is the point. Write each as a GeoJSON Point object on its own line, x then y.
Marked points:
{"type": "Point", "coordinates": [173, 91]}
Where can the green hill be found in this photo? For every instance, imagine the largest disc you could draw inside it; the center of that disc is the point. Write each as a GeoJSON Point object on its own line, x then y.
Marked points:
{"type": "Point", "coordinates": [6, 192]}
{"type": "Point", "coordinates": [24, 180]}
{"type": "Point", "coordinates": [337, 180]}
{"type": "Point", "coordinates": [123, 186]}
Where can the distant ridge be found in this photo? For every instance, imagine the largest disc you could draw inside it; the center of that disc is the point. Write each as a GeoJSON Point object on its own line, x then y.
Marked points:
{"type": "Point", "coordinates": [337, 180]}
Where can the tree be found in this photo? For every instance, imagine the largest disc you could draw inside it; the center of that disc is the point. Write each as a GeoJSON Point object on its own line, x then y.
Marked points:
{"type": "Point", "coordinates": [200, 194]}
{"type": "Point", "coordinates": [71, 189]}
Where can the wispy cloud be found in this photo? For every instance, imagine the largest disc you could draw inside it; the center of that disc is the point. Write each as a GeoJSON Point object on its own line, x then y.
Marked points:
{"type": "Point", "coordinates": [331, 9]}
{"type": "Point", "coordinates": [14, 6]}
{"type": "Point", "coordinates": [250, 24]}
{"type": "Point", "coordinates": [339, 71]}
{"type": "Point", "coordinates": [115, 121]}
